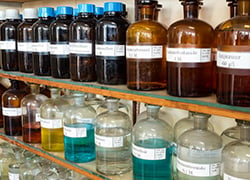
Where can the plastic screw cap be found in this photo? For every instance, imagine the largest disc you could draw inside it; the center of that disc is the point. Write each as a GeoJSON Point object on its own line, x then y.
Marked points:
{"type": "Point", "coordinates": [46, 12]}
{"type": "Point", "coordinates": [113, 7]}
{"type": "Point", "coordinates": [12, 14]}
{"type": "Point", "coordinates": [64, 10]}
{"type": "Point", "coordinates": [30, 13]}
{"type": "Point", "coordinates": [86, 8]}
{"type": "Point", "coordinates": [99, 10]}
{"type": "Point", "coordinates": [2, 15]}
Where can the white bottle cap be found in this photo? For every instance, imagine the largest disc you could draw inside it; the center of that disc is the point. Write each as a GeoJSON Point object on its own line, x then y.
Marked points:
{"type": "Point", "coordinates": [2, 15]}
{"type": "Point", "coordinates": [30, 13]}
{"type": "Point", "coordinates": [12, 14]}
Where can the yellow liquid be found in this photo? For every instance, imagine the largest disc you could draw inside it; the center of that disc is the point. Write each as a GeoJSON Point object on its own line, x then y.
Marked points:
{"type": "Point", "coordinates": [52, 139]}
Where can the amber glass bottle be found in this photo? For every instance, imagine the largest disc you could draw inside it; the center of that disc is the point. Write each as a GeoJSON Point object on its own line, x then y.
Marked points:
{"type": "Point", "coordinates": [189, 66]}
{"type": "Point", "coordinates": [233, 58]}
{"type": "Point", "coordinates": [146, 51]}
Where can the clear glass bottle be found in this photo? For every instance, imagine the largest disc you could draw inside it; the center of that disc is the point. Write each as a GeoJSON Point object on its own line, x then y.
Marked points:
{"type": "Point", "coordinates": [232, 58]}
{"type": "Point", "coordinates": [113, 140]}
{"type": "Point", "coordinates": [235, 156]}
{"type": "Point", "coordinates": [199, 152]}
{"type": "Point", "coordinates": [79, 141]}
{"type": "Point", "coordinates": [93, 101]}
{"type": "Point", "coordinates": [146, 50]}
{"type": "Point", "coordinates": [30, 105]}
{"type": "Point", "coordinates": [152, 147]}
{"type": "Point", "coordinates": [99, 12]}
{"type": "Point", "coordinates": [12, 111]}
{"type": "Point", "coordinates": [82, 45]}
{"type": "Point", "coordinates": [51, 117]}
{"type": "Point", "coordinates": [14, 167]}
{"type": "Point", "coordinates": [110, 45]}
{"type": "Point", "coordinates": [189, 65]}
{"type": "Point", "coordinates": [6, 158]}
{"type": "Point", "coordinates": [59, 42]}
{"type": "Point", "coordinates": [40, 38]}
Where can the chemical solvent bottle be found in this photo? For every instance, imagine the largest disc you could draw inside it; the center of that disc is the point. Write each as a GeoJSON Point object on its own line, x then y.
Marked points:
{"type": "Point", "coordinates": [99, 12]}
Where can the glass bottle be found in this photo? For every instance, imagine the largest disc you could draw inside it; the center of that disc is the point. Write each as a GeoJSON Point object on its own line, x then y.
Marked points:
{"type": "Point", "coordinates": [79, 141]}
{"type": "Point", "coordinates": [152, 147]}
{"type": "Point", "coordinates": [189, 66]}
{"type": "Point", "coordinates": [235, 156]}
{"type": "Point", "coordinates": [40, 38]}
{"type": "Point", "coordinates": [51, 117]}
{"type": "Point", "coordinates": [82, 44]}
{"type": "Point", "coordinates": [232, 58]}
{"type": "Point", "coordinates": [24, 40]}
{"type": "Point", "coordinates": [30, 105]}
{"type": "Point", "coordinates": [12, 111]}
{"type": "Point", "coordinates": [93, 101]}
{"type": "Point", "coordinates": [2, 20]}
{"type": "Point", "coordinates": [146, 51]}
{"type": "Point", "coordinates": [9, 40]}
{"type": "Point", "coordinates": [199, 152]}
{"type": "Point", "coordinates": [14, 167]}
{"type": "Point", "coordinates": [99, 12]}
{"type": "Point", "coordinates": [110, 45]}
{"type": "Point", "coordinates": [113, 140]}
{"type": "Point", "coordinates": [2, 90]}
{"type": "Point", "coordinates": [59, 42]}
{"type": "Point", "coordinates": [6, 158]}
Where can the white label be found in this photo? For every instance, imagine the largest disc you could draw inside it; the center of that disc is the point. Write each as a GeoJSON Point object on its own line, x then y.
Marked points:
{"type": "Point", "coordinates": [108, 142]}
{"type": "Point", "coordinates": [233, 60]}
{"type": "Point", "coordinates": [11, 111]}
{"type": "Point", "coordinates": [80, 48]}
{"type": "Point", "coordinates": [8, 45]}
{"type": "Point", "coordinates": [200, 170]}
{"type": "Point", "coordinates": [75, 132]}
{"type": "Point", "coordinates": [149, 154]}
{"type": "Point", "coordinates": [59, 49]}
{"type": "Point", "coordinates": [228, 177]}
{"type": "Point", "coordinates": [51, 123]}
{"type": "Point", "coordinates": [13, 176]}
{"type": "Point", "coordinates": [40, 46]}
{"type": "Point", "coordinates": [109, 50]}
{"type": "Point", "coordinates": [38, 117]}
{"type": "Point", "coordinates": [24, 46]}
{"type": "Point", "coordinates": [144, 52]}
{"type": "Point", "coordinates": [189, 55]}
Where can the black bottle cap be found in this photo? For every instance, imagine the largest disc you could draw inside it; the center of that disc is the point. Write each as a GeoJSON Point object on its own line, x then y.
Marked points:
{"type": "Point", "coordinates": [185, 2]}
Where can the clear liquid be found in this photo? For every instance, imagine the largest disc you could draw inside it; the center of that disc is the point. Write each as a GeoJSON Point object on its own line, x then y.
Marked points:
{"type": "Point", "coordinates": [81, 149]}
{"type": "Point", "coordinates": [52, 139]}
{"type": "Point", "coordinates": [153, 169]}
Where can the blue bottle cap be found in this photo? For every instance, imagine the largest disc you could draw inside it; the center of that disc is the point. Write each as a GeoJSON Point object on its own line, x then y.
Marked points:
{"type": "Point", "coordinates": [64, 10]}
{"type": "Point", "coordinates": [113, 7]}
{"type": "Point", "coordinates": [75, 12]}
{"type": "Point", "coordinates": [46, 12]}
{"type": "Point", "coordinates": [86, 8]}
{"type": "Point", "coordinates": [99, 11]}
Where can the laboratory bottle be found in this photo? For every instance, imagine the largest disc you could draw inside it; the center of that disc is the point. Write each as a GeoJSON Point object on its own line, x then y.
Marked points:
{"type": "Point", "coordinates": [99, 12]}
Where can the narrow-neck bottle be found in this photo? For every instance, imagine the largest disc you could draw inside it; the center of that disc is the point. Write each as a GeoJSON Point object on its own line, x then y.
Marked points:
{"type": "Point", "coordinates": [24, 40]}
{"type": "Point", "coordinates": [146, 50]}
{"type": "Point", "coordinates": [59, 42]}
{"type": "Point", "coordinates": [189, 66]}
{"type": "Point", "coordinates": [151, 147]}
{"type": "Point", "coordinates": [93, 101]}
{"type": "Point", "coordinates": [99, 12]}
{"type": "Point", "coordinates": [232, 58]}
{"type": "Point", "coordinates": [82, 45]}
{"type": "Point", "coordinates": [40, 38]}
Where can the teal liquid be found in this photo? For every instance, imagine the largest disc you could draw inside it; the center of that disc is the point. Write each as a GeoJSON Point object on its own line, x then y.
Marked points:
{"type": "Point", "coordinates": [153, 169]}
{"type": "Point", "coordinates": [81, 149]}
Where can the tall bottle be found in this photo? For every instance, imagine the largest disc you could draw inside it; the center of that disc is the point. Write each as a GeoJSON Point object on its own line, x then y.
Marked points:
{"type": "Point", "coordinates": [24, 40]}
{"type": "Point", "coordinates": [189, 63]}
{"type": "Point", "coordinates": [51, 117]}
{"type": "Point", "coordinates": [110, 45]}
{"type": "Point", "coordinates": [30, 105]}
{"type": "Point", "coordinates": [40, 38]}
{"type": "Point", "coordinates": [2, 20]}
{"type": "Point", "coordinates": [232, 58]}
{"type": "Point", "coordinates": [235, 156]}
{"type": "Point", "coordinates": [199, 152]}
{"type": "Point", "coordinates": [59, 42]}
{"type": "Point", "coordinates": [113, 140]}
{"type": "Point", "coordinates": [9, 40]}
{"type": "Point", "coordinates": [82, 44]}
{"type": "Point", "coordinates": [79, 141]}
{"type": "Point", "coordinates": [99, 12]}
{"type": "Point", "coordinates": [151, 147]}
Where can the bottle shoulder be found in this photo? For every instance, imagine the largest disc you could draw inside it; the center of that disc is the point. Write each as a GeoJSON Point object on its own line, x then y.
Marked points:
{"type": "Point", "coordinates": [236, 23]}
{"type": "Point", "coordinates": [191, 23]}
{"type": "Point", "coordinates": [34, 99]}
{"type": "Point", "coordinates": [237, 150]}
{"type": "Point", "coordinates": [9, 25]}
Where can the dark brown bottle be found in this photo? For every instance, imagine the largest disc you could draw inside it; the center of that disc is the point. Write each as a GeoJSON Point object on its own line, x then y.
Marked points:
{"type": "Point", "coordinates": [2, 20]}
{"type": "Point", "coordinates": [189, 66]}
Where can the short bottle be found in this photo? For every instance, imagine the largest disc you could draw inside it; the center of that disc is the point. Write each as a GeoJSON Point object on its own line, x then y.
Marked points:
{"type": "Point", "coordinates": [40, 38]}
{"type": "Point", "coordinates": [99, 12]}
{"type": "Point", "coordinates": [82, 45]}
{"type": "Point", "coordinates": [113, 140]}
{"type": "Point", "coordinates": [110, 45]}
{"type": "Point", "coordinates": [24, 40]}
{"type": "Point", "coordinates": [59, 42]}
{"type": "Point", "coordinates": [152, 147]}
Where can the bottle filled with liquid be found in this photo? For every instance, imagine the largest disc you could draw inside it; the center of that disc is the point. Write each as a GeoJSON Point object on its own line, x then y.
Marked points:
{"type": "Point", "coordinates": [59, 42]}
{"type": "Point", "coordinates": [232, 58]}
{"type": "Point", "coordinates": [24, 40]}
{"type": "Point", "coordinates": [82, 44]}
{"type": "Point", "coordinates": [2, 20]}
{"type": "Point", "coordinates": [110, 45]}
{"type": "Point", "coordinates": [40, 38]}
{"type": "Point", "coordinates": [189, 65]}
{"type": "Point", "coordinates": [9, 40]}
{"type": "Point", "coordinates": [99, 12]}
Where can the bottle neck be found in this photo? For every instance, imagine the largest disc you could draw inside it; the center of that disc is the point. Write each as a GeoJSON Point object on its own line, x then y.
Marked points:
{"type": "Point", "coordinates": [79, 100]}
{"type": "Point", "coordinates": [15, 84]}
{"type": "Point", "coordinates": [54, 93]}
{"type": "Point", "coordinates": [112, 13]}
{"type": "Point", "coordinates": [233, 9]}
{"type": "Point", "coordinates": [112, 105]}
{"type": "Point", "coordinates": [153, 112]}
{"type": "Point", "coordinates": [64, 16]}
{"type": "Point", "coordinates": [245, 133]}
{"type": "Point", "coordinates": [34, 89]}
{"type": "Point", "coordinates": [148, 12]}
{"type": "Point", "coordinates": [201, 122]}
{"type": "Point", "coordinates": [191, 10]}
{"type": "Point", "coordinates": [243, 7]}
{"type": "Point", "coordinates": [86, 15]}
